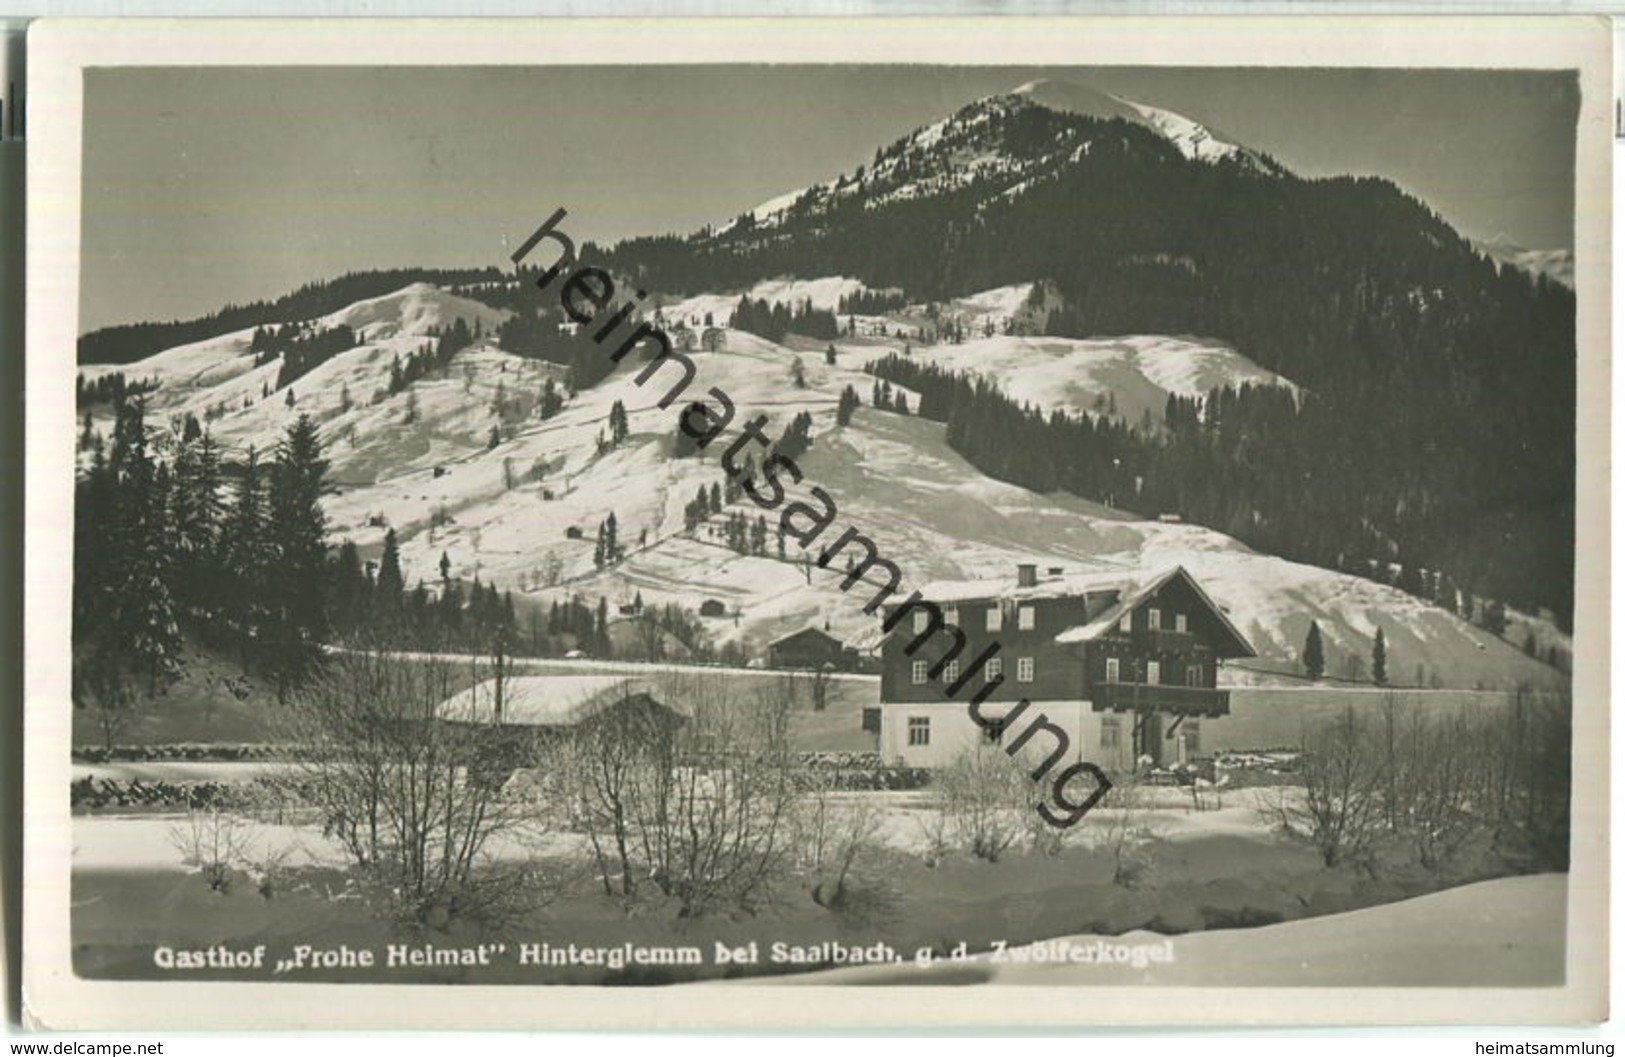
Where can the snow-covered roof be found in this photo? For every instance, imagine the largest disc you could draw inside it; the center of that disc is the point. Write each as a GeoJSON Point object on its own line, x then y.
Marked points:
{"type": "Point", "coordinates": [1066, 585]}
{"type": "Point", "coordinates": [802, 631]}
{"type": "Point", "coordinates": [1133, 596]}
{"type": "Point", "coordinates": [541, 700]}
{"type": "Point", "coordinates": [1131, 586]}
{"type": "Point", "coordinates": [868, 639]}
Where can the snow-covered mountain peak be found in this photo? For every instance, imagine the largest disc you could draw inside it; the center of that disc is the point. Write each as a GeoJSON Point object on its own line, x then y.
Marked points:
{"type": "Point", "coordinates": [1194, 140]}
{"type": "Point", "coordinates": [1070, 98]}
{"type": "Point", "coordinates": [986, 143]}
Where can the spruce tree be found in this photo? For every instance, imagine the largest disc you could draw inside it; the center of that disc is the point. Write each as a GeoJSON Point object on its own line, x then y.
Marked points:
{"type": "Point", "coordinates": [244, 548]}
{"type": "Point", "coordinates": [351, 591]}
{"type": "Point", "coordinates": [196, 514]}
{"type": "Point", "coordinates": [1314, 654]}
{"type": "Point", "coordinates": [1379, 660]}
{"type": "Point", "coordinates": [298, 533]}
{"type": "Point", "coordinates": [144, 640]}
{"type": "Point", "coordinates": [391, 586]}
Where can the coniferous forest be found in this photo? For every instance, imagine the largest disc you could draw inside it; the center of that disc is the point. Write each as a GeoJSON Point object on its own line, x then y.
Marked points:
{"type": "Point", "coordinates": [238, 556]}
{"type": "Point", "coordinates": [176, 543]}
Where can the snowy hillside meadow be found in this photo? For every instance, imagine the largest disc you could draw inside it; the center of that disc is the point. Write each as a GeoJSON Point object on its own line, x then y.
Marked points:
{"type": "Point", "coordinates": [420, 462]}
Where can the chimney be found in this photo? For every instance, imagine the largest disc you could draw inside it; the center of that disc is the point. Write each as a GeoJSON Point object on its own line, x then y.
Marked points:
{"type": "Point", "coordinates": [1026, 575]}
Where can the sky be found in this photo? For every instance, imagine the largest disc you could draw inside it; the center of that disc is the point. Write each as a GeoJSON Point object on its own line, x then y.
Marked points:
{"type": "Point", "coordinates": [205, 186]}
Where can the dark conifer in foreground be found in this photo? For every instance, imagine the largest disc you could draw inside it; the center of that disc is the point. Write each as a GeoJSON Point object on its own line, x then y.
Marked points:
{"type": "Point", "coordinates": [1314, 652]}
{"type": "Point", "coordinates": [298, 624]}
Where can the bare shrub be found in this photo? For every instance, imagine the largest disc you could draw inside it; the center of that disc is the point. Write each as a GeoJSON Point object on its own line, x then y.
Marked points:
{"type": "Point", "coordinates": [1344, 781]}
{"type": "Point", "coordinates": [1434, 776]}
{"type": "Point", "coordinates": [1044, 838]}
{"type": "Point", "coordinates": [982, 797]}
{"type": "Point", "coordinates": [1128, 829]}
{"type": "Point", "coordinates": [716, 827]}
{"type": "Point", "coordinates": [269, 867]}
{"type": "Point", "coordinates": [1521, 787]}
{"type": "Point", "coordinates": [214, 841]}
{"type": "Point", "coordinates": [832, 833]}
{"type": "Point", "coordinates": [608, 769]}
{"type": "Point", "coordinates": [701, 814]}
{"type": "Point", "coordinates": [1436, 782]}
{"type": "Point", "coordinates": [936, 830]}
{"type": "Point", "coordinates": [412, 795]}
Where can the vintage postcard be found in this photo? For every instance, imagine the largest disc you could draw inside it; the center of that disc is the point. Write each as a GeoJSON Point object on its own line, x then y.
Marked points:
{"type": "Point", "coordinates": [774, 523]}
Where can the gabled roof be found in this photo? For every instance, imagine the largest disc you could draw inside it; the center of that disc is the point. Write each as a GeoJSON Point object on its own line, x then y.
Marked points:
{"type": "Point", "coordinates": [1132, 587]}
{"type": "Point", "coordinates": [541, 700]}
{"type": "Point", "coordinates": [803, 631]}
{"type": "Point", "coordinates": [1133, 596]}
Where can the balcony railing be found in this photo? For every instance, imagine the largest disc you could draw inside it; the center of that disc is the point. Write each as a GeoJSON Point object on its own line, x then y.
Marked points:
{"type": "Point", "coordinates": [1167, 640]}
{"type": "Point", "coordinates": [1159, 697]}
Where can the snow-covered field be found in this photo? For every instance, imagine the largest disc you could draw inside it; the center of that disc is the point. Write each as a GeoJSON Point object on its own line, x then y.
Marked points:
{"type": "Point", "coordinates": [419, 462]}
{"type": "Point", "coordinates": [1503, 933]}
{"type": "Point", "coordinates": [1136, 374]}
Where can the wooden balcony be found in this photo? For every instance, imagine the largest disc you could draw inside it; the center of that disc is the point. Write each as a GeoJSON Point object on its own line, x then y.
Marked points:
{"type": "Point", "coordinates": [1166, 640]}
{"type": "Point", "coordinates": [1159, 697]}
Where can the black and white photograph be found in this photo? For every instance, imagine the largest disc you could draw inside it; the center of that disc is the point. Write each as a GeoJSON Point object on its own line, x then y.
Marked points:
{"type": "Point", "coordinates": [610, 519]}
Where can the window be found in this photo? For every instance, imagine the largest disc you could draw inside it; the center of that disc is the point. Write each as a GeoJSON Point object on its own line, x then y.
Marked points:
{"type": "Point", "coordinates": [950, 672]}
{"type": "Point", "coordinates": [919, 673]}
{"type": "Point", "coordinates": [1125, 623]}
{"type": "Point", "coordinates": [995, 618]}
{"type": "Point", "coordinates": [1026, 618]}
{"type": "Point", "coordinates": [919, 730]}
{"type": "Point", "coordinates": [922, 620]}
{"type": "Point", "coordinates": [1153, 671]}
{"type": "Point", "coordinates": [1024, 669]}
{"type": "Point", "coordinates": [951, 615]}
{"type": "Point", "coordinates": [1114, 670]}
{"type": "Point", "coordinates": [1193, 735]}
{"type": "Point", "coordinates": [994, 670]}
{"type": "Point", "coordinates": [1193, 675]}
{"type": "Point", "coordinates": [1179, 622]}
{"type": "Point", "coordinates": [1153, 619]}
{"type": "Point", "coordinates": [1111, 732]}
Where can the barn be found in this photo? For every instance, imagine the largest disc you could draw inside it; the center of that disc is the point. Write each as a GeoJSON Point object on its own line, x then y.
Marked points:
{"type": "Point", "coordinates": [523, 713]}
{"type": "Point", "coordinates": [807, 648]}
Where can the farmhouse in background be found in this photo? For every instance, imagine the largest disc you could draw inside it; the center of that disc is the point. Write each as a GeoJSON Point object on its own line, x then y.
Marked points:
{"type": "Point", "coordinates": [807, 648]}
{"type": "Point", "coordinates": [1125, 662]}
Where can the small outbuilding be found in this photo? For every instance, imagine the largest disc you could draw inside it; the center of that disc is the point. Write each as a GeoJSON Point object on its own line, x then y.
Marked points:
{"type": "Point", "coordinates": [520, 714]}
{"type": "Point", "coordinates": [807, 648]}
{"type": "Point", "coordinates": [554, 703]}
